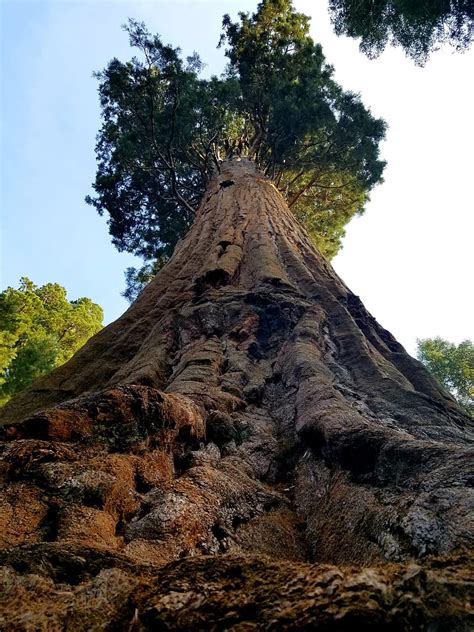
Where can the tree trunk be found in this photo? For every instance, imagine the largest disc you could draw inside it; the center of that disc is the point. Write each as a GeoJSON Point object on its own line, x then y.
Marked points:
{"type": "Point", "coordinates": [248, 424]}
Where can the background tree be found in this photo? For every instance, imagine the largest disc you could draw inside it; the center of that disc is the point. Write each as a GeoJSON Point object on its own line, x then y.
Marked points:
{"type": "Point", "coordinates": [419, 26]}
{"type": "Point", "coordinates": [165, 129]}
{"type": "Point", "coordinates": [39, 330]}
{"type": "Point", "coordinates": [452, 365]}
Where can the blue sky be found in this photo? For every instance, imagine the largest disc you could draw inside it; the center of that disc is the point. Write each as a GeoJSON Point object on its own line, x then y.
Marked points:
{"type": "Point", "coordinates": [50, 119]}
{"type": "Point", "coordinates": [408, 257]}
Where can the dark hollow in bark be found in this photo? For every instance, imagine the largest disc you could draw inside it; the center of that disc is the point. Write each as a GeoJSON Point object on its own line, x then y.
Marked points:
{"type": "Point", "coordinates": [246, 445]}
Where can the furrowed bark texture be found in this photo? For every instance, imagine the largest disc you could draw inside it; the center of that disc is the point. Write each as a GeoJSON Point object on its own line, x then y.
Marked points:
{"type": "Point", "coordinates": [245, 448]}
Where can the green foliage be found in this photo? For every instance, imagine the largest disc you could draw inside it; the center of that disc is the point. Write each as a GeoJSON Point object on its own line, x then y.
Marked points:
{"type": "Point", "coordinates": [419, 26]}
{"type": "Point", "coordinates": [39, 330]}
{"type": "Point", "coordinates": [452, 365]}
{"type": "Point", "coordinates": [165, 129]}
{"type": "Point", "coordinates": [137, 279]}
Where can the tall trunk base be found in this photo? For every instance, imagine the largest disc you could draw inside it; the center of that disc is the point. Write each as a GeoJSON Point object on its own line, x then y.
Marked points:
{"type": "Point", "coordinates": [245, 444]}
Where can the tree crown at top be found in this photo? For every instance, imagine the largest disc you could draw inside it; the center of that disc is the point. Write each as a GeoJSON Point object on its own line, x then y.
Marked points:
{"type": "Point", "coordinates": [165, 129]}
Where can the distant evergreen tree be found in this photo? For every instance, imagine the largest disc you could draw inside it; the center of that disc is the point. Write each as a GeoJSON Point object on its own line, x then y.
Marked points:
{"type": "Point", "coordinates": [39, 330]}
{"type": "Point", "coordinates": [452, 365]}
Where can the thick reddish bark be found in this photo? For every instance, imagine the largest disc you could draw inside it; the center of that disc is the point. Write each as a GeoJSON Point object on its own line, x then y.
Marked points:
{"type": "Point", "coordinates": [248, 410]}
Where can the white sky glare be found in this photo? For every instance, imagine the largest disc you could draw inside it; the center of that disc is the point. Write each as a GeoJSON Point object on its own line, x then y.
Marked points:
{"type": "Point", "coordinates": [408, 257]}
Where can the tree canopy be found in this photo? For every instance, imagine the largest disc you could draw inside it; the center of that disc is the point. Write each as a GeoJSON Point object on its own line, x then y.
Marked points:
{"type": "Point", "coordinates": [165, 129]}
{"type": "Point", "coordinates": [452, 365]}
{"type": "Point", "coordinates": [418, 26]}
{"type": "Point", "coordinates": [39, 330]}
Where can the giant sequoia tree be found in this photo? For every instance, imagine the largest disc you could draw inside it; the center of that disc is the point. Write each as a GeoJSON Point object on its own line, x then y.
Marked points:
{"type": "Point", "coordinates": [165, 129]}
{"type": "Point", "coordinates": [246, 445]}
{"type": "Point", "coordinates": [245, 448]}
